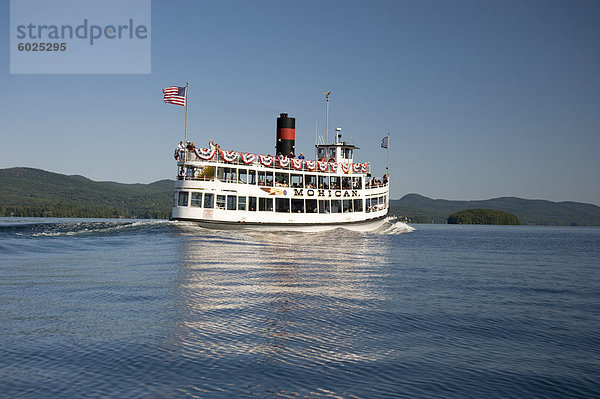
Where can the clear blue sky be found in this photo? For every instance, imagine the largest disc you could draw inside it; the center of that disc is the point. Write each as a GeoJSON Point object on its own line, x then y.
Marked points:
{"type": "Point", "coordinates": [482, 98]}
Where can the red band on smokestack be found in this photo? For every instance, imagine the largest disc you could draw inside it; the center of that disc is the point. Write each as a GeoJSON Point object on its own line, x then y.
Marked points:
{"type": "Point", "coordinates": [286, 133]}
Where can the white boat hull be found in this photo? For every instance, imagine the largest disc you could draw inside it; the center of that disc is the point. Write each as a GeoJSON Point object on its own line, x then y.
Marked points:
{"type": "Point", "coordinates": [361, 226]}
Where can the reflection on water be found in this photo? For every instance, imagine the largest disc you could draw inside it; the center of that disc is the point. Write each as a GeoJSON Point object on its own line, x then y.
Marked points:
{"type": "Point", "coordinates": [276, 300]}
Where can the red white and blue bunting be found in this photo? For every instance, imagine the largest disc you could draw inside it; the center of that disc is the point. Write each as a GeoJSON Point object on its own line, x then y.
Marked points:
{"type": "Point", "coordinates": [284, 162]}
{"type": "Point", "coordinates": [266, 160]}
{"type": "Point", "coordinates": [322, 166]}
{"type": "Point", "coordinates": [228, 156]}
{"type": "Point", "coordinates": [247, 157]}
{"type": "Point", "coordinates": [297, 163]}
{"type": "Point", "coordinates": [204, 153]}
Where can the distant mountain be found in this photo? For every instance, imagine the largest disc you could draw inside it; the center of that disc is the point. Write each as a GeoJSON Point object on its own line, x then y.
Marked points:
{"type": "Point", "coordinates": [532, 212]}
{"type": "Point", "coordinates": [35, 192]}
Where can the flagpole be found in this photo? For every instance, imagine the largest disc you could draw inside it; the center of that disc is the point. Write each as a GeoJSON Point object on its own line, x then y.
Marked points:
{"type": "Point", "coordinates": [186, 106]}
{"type": "Point", "coordinates": [387, 168]}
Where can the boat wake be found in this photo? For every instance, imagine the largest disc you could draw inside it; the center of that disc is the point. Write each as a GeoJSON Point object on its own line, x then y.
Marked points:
{"type": "Point", "coordinates": [390, 225]}
{"type": "Point", "coordinates": [393, 226]}
{"type": "Point", "coordinates": [77, 227]}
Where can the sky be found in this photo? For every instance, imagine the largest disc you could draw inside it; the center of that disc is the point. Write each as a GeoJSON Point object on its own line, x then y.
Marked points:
{"type": "Point", "coordinates": [482, 99]}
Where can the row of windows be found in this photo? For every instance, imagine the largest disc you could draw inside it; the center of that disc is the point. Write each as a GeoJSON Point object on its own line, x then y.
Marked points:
{"type": "Point", "coordinates": [270, 179]}
{"type": "Point", "coordinates": [270, 204]}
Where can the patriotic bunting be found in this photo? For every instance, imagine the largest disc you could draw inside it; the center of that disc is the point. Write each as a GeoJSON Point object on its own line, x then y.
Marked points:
{"type": "Point", "coordinates": [297, 163]}
{"type": "Point", "coordinates": [266, 160]}
{"type": "Point", "coordinates": [204, 153]}
{"type": "Point", "coordinates": [247, 158]}
{"type": "Point", "coordinates": [311, 165]}
{"type": "Point", "coordinates": [284, 162]}
{"type": "Point", "coordinates": [228, 156]}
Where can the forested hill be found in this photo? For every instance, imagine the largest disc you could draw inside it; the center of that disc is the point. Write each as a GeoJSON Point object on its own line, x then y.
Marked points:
{"type": "Point", "coordinates": [530, 212]}
{"type": "Point", "coordinates": [35, 192]}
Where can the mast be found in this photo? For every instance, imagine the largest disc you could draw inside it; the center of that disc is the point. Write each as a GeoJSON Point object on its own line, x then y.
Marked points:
{"type": "Point", "coordinates": [387, 168]}
{"type": "Point", "coordinates": [186, 106]}
{"type": "Point", "coordinates": [327, 93]}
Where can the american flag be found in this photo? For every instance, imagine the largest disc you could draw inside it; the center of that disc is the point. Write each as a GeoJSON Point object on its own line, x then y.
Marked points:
{"type": "Point", "coordinates": [175, 95]}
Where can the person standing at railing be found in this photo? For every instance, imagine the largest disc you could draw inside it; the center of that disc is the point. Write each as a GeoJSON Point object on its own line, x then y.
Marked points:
{"type": "Point", "coordinates": [180, 150]}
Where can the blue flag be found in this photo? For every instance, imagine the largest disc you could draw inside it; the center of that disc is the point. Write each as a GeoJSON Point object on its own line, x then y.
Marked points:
{"type": "Point", "coordinates": [384, 142]}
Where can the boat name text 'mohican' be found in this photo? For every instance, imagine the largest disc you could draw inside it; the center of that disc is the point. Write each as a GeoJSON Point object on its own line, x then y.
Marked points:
{"type": "Point", "coordinates": [299, 192]}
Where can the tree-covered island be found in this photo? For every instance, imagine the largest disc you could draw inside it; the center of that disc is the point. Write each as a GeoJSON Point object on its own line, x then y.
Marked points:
{"type": "Point", "coordinates": [483, 216]}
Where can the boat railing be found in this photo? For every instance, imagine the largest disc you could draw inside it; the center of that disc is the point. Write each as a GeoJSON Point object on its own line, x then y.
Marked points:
{"type": "Point", "coordinates": [254, 160]}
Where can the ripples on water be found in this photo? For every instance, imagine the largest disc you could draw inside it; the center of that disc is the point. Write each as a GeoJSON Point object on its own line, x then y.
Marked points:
{"type": "Point", "coordinates": [160, 309]}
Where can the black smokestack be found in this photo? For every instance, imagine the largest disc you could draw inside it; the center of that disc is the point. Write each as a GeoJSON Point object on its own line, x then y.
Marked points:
{"type": "Point", "coordinates": [286, 135]}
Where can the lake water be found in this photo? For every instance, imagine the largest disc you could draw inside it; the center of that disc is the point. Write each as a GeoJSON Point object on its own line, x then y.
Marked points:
{"type": "Point", "coordinates": [151, 309]}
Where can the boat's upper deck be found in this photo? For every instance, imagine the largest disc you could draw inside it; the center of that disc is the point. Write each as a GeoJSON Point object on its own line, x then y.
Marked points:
{"type": "Point", "coordinates": [215, 155]}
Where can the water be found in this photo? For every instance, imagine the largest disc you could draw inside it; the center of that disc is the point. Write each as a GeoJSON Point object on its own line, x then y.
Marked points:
{"type": "Point", "coordinates": [159, 309]}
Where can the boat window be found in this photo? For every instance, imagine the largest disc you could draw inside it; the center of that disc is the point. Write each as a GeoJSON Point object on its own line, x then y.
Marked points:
{"type": "Point", "coordinates": [221, 201]}
{"type": "Point", "coordinates": [243, 176]}
{"type": "Point", "coordinates": [310, 181]}
{"type": "Point", "coordinates": [347, 205]}
{"type": "Point", "coordinates": [230, 175]}
{"type": "Point", "coordinates": [332, 152]}
{"type": "Point", "coordinates": [358, 205]}
{"type": "Point", "coordinates": [251, 176]}
{"type": "Point", "coordinates": [209, 200]}
{"type": "Point", "coordinates": [183, 198]}
{"type": "Point", "coordinates": [297, 206]}
{"type": "Point", "coordinates": [348, 153]}
{"type": "Point", "coordinates": [269, 179]}
{"type": "Point", "coordinates": [324, 206]}
{"type": "Point", "coordinates": [311, 206]}
{"type": "Point", "coordinates": [282, 179]}
{"type": "Point", "coordinates": [282, 204]}
{"type": "Point", "coordinates": [196, 200]}
{"type": "Point", "coordinates": [335, 183]}
{"type": "Point", "coordinates": [265, 204]}
{"type": "Point", "coordinates": [368, 205]}
{"type": "Point", "coordinates": [356, 183]}
{"type": "Point", "coordinates": [346, 183]}
{"type": "Point", "coordinates": [336, 206]}
{"type": "Point", "coordinates": [323, 182]}
{"type": "Point", "coordinates": [189, 172]}
{"type": "Point", "coordinates": [221, 174]}
{"type": "Point", "coordinates": [241, 203]}
{"type": "Point", "coordinates": [252, 204]}
{"type": "Point", "coordinates": [231, 202]}
{"type": "Point", "coordinates": [321, 153]}
{"type": "Point", "coordinates": [296, 181]}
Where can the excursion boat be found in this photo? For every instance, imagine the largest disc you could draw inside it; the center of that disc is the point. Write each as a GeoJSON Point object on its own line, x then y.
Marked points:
{"type": "Point", "coordinates": [238, 190]}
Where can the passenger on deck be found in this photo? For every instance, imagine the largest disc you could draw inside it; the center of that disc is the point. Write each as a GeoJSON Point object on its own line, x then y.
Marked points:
{"type": "Point", "coordinates": [301, 156]}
